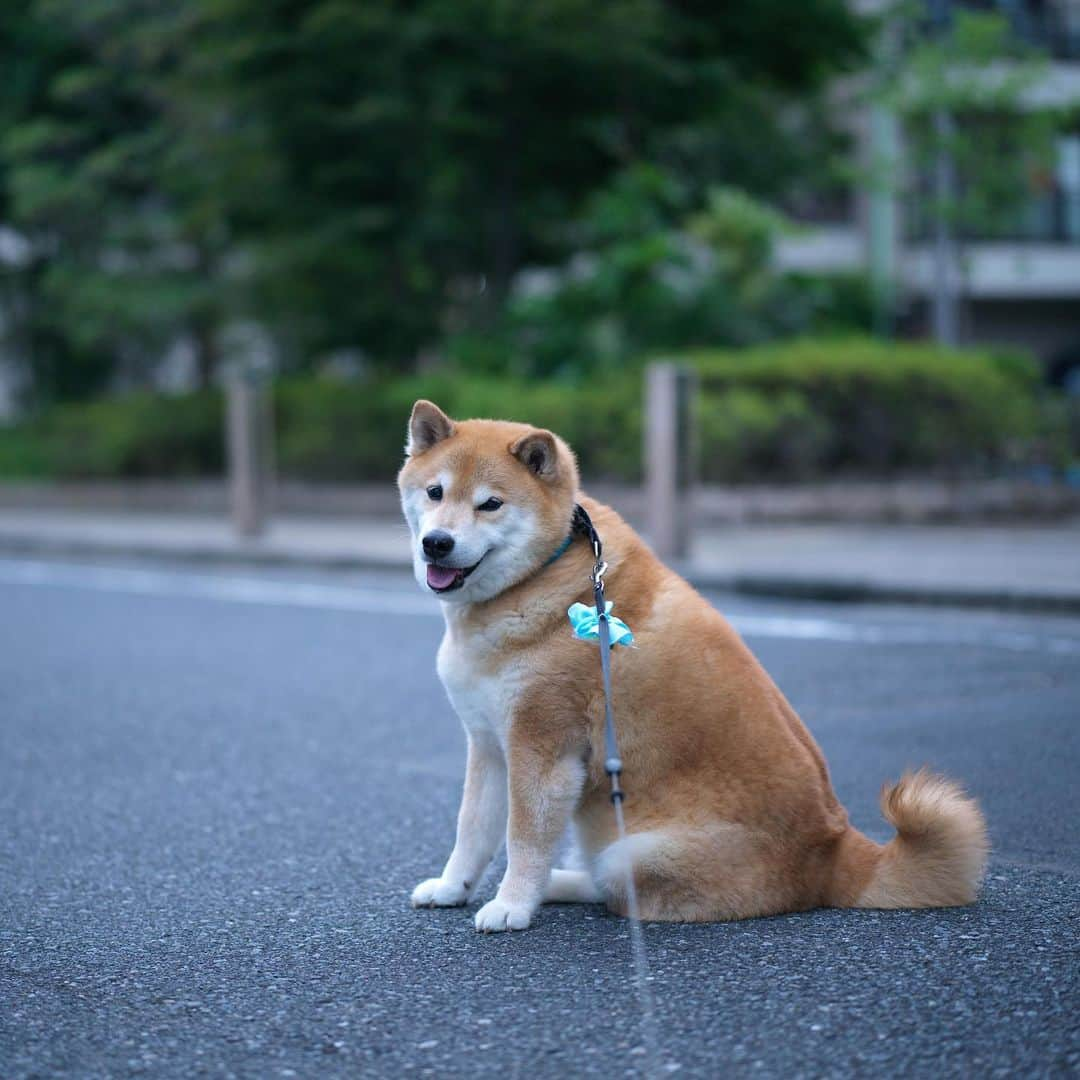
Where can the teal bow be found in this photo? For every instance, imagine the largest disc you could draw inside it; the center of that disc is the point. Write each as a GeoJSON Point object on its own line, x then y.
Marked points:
{"type": "Point", "coordinates": [586, 624]}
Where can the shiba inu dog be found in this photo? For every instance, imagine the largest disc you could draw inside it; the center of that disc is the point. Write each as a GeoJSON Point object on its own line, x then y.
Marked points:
{"type": "Point", "coordinates": [730, 810]}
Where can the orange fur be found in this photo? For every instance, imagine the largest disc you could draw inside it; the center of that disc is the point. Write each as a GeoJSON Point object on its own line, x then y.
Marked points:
{"type": "Point", "coordinates": [730, 806]}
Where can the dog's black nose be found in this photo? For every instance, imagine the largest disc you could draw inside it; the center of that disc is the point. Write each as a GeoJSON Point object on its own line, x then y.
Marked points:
{"type": "Point", "coordinates": [438, 544]}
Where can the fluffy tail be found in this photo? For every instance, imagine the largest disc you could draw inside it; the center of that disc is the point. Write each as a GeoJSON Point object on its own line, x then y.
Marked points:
{"type": "Point", "coordinates": [938, 855]}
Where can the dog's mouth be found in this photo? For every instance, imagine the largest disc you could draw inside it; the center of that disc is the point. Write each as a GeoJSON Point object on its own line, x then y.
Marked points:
{"type": "Point", "coordinates": [444, 579]}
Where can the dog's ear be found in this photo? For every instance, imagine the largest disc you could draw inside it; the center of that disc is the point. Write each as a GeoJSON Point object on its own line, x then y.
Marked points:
{"type": "Point", "coordinates": [539, 453]}
{"type": "Point", "coordinates": [428, 425]}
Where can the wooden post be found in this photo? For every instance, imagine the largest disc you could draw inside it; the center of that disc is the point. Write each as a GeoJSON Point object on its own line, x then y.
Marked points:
{"type": "Point", "coordinates": [670, 457]}
{"type": "Point", "coordinates": [249, 449]}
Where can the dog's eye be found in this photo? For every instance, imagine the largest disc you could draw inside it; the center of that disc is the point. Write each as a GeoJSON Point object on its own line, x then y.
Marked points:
{"type": "Point", "coordinates": [435, 492]}
{"type": "Point", "coordinates": [491, 504]}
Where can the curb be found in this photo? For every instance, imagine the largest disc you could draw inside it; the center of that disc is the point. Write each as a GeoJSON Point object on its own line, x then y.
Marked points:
{"type": "Point", "coordinates": [780, 587]}
{"type": "Point", "coordinates": [913, 500]}
{"type": "Point", "coordinates": [239, 555]}
{"type": "Point", "coordinates": [863, 591]}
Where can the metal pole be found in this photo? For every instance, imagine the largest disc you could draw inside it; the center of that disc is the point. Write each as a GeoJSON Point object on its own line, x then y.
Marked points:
{"type": "Point", "coordinates": [944, 295]}
{"type": "Point", "coordinates": [266, 443]}
{"type": "Point", "coordinates": [881, 132]}
{"type": "Point", "coordinates": [669, 457]}
{"type": "Point", "coordinates": [248, 449]}
{"type": "Point", "coordinates": [944, 298]}
{"type": "Point", "coordinates": [881, 213]}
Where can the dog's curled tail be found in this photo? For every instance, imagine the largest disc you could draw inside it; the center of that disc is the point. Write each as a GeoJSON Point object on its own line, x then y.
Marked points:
{"type": "Point", "coordinates": [937, 857]}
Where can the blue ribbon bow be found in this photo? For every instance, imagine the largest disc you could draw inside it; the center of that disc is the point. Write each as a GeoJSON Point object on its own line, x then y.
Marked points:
{"type": "Point", "coordinates": [586, 624]}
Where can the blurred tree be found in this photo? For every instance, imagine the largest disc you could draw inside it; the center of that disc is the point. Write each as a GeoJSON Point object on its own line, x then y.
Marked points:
{"type": "Point", "coordinates": [978, 147]}
{"type": "Point", "coordinates": [417, 155]}
{"type": "Point", "coordinates": [362, 175]}
{"type": "Point", "coordinates": [34, 53]}
{"type": "Point", "coordinates": [654, 269]}
{"type": "Point", "coordinates": [104, 174]}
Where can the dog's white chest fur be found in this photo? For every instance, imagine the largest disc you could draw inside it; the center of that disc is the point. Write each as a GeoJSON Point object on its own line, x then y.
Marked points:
{"type": "Point", "coordinates": [483, 698]}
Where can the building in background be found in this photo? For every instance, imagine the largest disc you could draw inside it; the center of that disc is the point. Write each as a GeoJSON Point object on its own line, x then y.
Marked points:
{"type": "Point", "coordinates": [1020, 279]}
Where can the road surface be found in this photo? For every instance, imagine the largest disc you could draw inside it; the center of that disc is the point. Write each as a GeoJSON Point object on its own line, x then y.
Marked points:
{"type": "Point", "coordinates": [218, 788]}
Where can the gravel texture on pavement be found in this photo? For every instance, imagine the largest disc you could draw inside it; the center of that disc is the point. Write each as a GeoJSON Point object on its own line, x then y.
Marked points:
{"type": "Point", "coordinates": [214, 811]}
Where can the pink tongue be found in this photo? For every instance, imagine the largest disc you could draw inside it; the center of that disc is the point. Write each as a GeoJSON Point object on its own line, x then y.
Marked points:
{"type": "Point", "coordinates": [439, 577]}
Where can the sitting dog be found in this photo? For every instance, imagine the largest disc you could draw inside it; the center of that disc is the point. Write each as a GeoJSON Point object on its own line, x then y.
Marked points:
{"type": "Point", "coordinates": [730, 811]}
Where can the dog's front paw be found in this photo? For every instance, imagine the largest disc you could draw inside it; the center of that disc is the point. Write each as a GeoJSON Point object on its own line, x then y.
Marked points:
{"type": "Point", "coordinates": [497, 915]}
{"type": "Point", "coordinates": [438, 892]}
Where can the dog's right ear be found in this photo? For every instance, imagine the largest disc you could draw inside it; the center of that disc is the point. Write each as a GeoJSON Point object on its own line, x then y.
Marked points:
{"type": "Point", "coordinates": [428, 425]}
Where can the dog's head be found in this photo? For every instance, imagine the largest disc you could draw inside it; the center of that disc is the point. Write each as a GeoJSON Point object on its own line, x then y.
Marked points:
{"type": "Point", "coordinates": [487, 502]}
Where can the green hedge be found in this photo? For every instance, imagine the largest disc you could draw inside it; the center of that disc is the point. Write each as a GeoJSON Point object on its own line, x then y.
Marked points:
{"type": "Point", "coordinates": [342, 432]}
{"type": "Point", "coordinates": [137, 435]}
{"type": "Point", "coordinates": [858, 405]}
{"type": "Point", "coordinates": [789, 411]}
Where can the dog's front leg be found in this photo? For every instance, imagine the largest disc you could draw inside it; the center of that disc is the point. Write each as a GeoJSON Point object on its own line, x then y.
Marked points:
{"type": "Point", "coordinates": [543, 794]}
{"type": "Point", "coordinates": [480, 828]}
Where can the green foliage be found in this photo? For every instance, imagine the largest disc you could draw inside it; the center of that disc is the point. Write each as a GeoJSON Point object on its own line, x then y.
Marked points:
{"type": "Point", "coordinates": [105, 172]}
{"type": "Point", "coordinates": [419, 155]}
{"type": "Point", "coordinates": [779, 412]}
{"type": "Point", "coordinates": [137, 436]}
{"type": "Point", "coordinates": [1058, 443]}
{"type": "Point", "coordinates": [843, 304]}
{"type": "Point", "coordinates": [333, 431]}
{"type": "Point", "coordinates": [1001, 149]}
{"type": "Point", "coordinates": [740, 230]}
{"type": "Point", "coordinates": [657, 270]}
{"type": "Point", "coordinates": [368, 176]}
{"type": "Point", "coordinates": [746, 434]}
{"type": "Point", "coordinates": [818, 406]}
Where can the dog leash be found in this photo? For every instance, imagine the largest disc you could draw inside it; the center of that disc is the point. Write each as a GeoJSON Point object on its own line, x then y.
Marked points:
{"type": "Point", "coordinates": [582, 524]}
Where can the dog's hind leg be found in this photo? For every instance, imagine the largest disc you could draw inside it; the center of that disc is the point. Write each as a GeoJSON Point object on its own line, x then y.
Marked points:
{"type": "Point", "coordinates": [723, 871]}
{"type": "Point", "coordinates": [572, 887]}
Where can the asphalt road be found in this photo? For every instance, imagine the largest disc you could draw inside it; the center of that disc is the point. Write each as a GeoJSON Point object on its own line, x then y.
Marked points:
{"type": "Point", "coordinates": [217, 790]}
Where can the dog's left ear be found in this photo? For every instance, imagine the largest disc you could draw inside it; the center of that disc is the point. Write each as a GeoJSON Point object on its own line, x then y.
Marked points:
{"type": "Point", "coordinates": [538, 452]}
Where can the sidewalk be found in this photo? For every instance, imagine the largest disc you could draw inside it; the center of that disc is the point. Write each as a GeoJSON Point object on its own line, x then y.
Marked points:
{"type": "Point", "coordinates": [1033, 567]}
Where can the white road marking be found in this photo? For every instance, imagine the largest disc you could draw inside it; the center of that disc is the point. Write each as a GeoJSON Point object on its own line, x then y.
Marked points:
{"type": "Point", "coordinates": [277, 593]}
{"type": "Point", "coordinates": [240, 590]}
{"type": "Point", "coordinates": [911, 634]}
